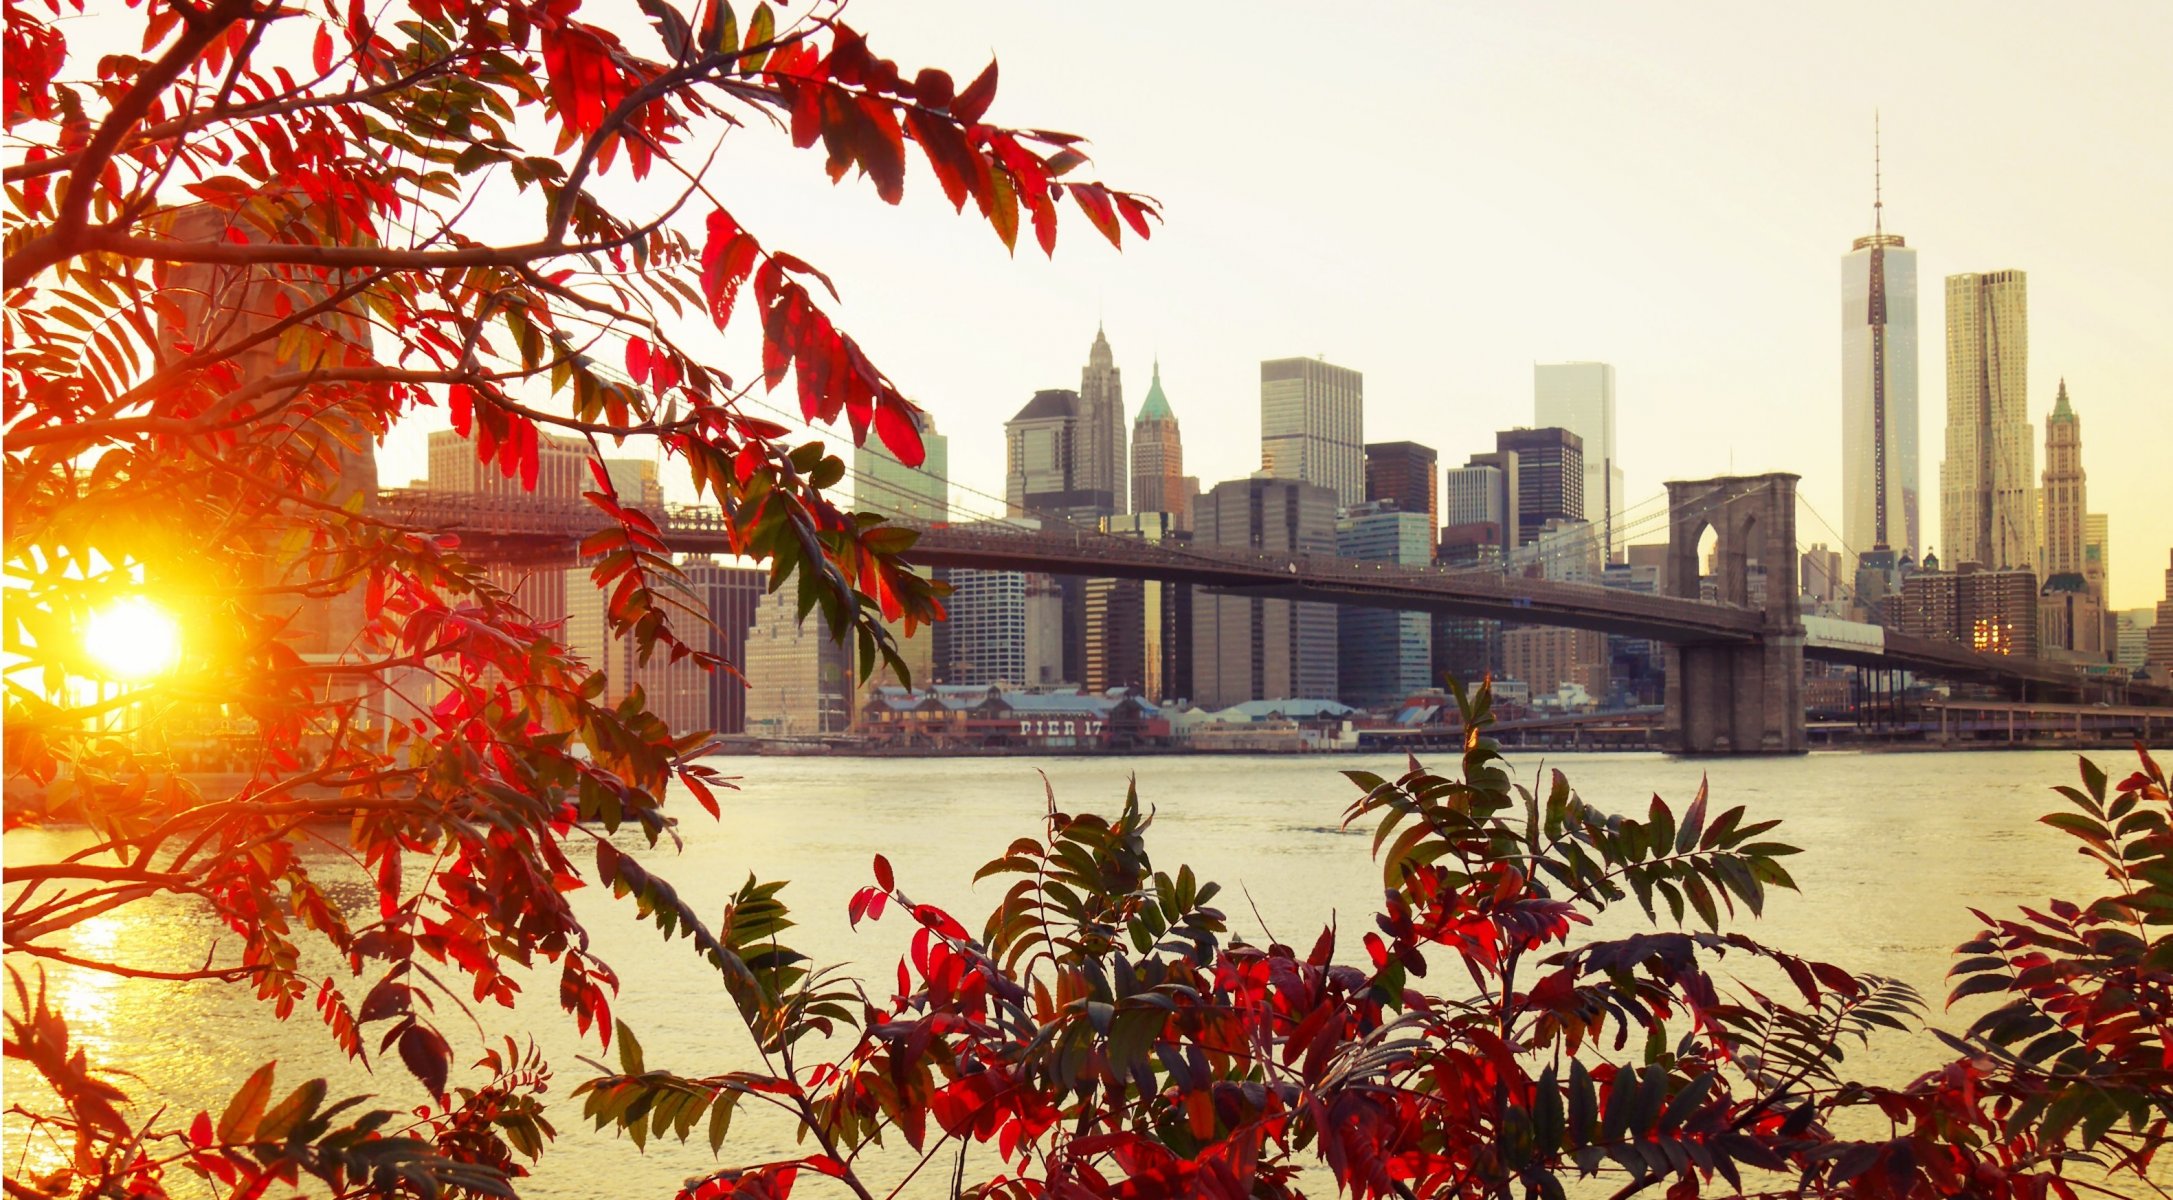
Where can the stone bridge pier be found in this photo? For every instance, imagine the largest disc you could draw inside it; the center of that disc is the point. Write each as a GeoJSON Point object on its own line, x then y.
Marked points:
{"type": "Point", "coordinates": [1737, 697]}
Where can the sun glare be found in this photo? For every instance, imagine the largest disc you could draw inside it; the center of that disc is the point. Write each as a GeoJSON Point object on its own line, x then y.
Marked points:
{"type": "Point", "coordinates": [133, 639]}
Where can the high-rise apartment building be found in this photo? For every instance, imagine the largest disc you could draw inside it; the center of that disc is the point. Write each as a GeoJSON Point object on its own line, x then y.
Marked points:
{"type": "Point", "coordinates": [1312, 425]}
{"type": "Point", "coordinates": [1548, 657]}
{"type": "Point", "coordinates": [1159, 482]}
{"type": "Point", "coordinates": [1879, 428]}
{"type": "Point", "coordinates": [1987, 484]}
{"type": "Point", "coordinates": [1251, 648]}
{"type": "Point", "coordinates": [1580, 397]}
{"type": "Point", "coordinates": [1549, 477]}
{"type": "Point", "coordinates": [1403, 474]}
{"type": "Point", "coordinates": [1101, 425]}
{"type": "Point", "coordinates": [1385, 655]}
{"type": "Point", "coordinates": [988, 628]}
{"type": "Point", "coordinates": [2066, 519]}
{"type": "Point", "coordinates": [1139, 631]}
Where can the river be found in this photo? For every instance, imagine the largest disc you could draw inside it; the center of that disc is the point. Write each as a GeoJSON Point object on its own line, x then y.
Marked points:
{"type": "Point", "coordinates": [1896, 848]}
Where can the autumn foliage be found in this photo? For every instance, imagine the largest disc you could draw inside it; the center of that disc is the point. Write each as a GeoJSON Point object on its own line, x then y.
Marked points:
{"type": "Point", "coordinates": [248, 238]}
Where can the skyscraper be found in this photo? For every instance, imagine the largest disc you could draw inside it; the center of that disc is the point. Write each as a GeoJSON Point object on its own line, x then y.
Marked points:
{"type": "Point", "coordinates": [1159, 483]}
{"type": "Point", "coordinates": [734, 595]}
{"type": "Point", "coordinates": [1312, 425]}
{"type": "Point", "coordinates": [1987, 484]}
{"type": "Point", "coordinates": [1549, 477]}
{"type": "Point", "coordinates": [1403, 472]}
{"type": "Point", "coordinates": [2066, 520]}
{"type": "Point", "coordinates": [2097, 552]}
{"type": "Point", "coordinates": [1580, 397]}
{"type": "Point", "coordinates": [1045, 462]}
{"type": "Point", "coordinates": [1101, 425]}
{"type": "Point", "coordinates": [1139, 631]}
{"type": "Point", "coordinates": [1879, 429]}
{"type": "Point", "coordinates": [799, 679]}
{"type": "Point", "coordinates": [1252, 648]}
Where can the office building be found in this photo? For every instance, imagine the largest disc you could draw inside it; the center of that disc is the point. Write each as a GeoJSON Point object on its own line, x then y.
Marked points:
{"type": "Point", "coordinates": [1879, 425]}
{"type": "Point", "coordinates": [799, 678]}
{"type": "Point", "coordinates": [1821, 578]}
{"type": "Point", "coordinates": [733, 596]}
{"type": "Point", "coordinates": [1047, 459]}
{"type": "Point", "coordinates": [1482, 493]}
{"type": "Point", "coordinates": [1253, 648]}
{"type": "Point", "coordinates": [888, 488]}
{"type": "Point", "coordinates": [1987, 485]}
{"type": "Point", "coordinates": [2131, 637]}
{"type": "Point", "coordinates": [2066, 511]}
{"type": "Point", "coordinates": [1101, 425]}
{"type": "Point", "coordinates": [1402, 473]}
{"type": "Point", "coordinates": [1549, 477]}
{"type": "Point", "coordinates": [562, 474]}
{"type": "Point", "coordinates": [1547, 658]}
{"type": "Point", "coordinates": [1469, 648]}
{"type": "Point", "coordinates": [1139, 631]}
{"type": "Point", "coordinates": [1580, 397]}
{"type": "Point", "coordinates": [1312, 425]}
{"type": "Point", "coordinates": [1564, 551]}
{"type": "Point", "coordinates": [987, 645]}
{"type": "Point", "coordinates": [2158, 642]}
{"type": "Point", "coordinates": [1159, 482]}
{"type": "Point", "coordinates": [2097, 563]}
{"type": "Point", "coordinates": [2072, 618]}
{"type": "Point", "coordinates": [1385, 655]}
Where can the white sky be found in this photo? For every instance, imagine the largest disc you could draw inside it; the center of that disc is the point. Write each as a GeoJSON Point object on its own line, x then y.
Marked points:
{"type": "Point", "coordinates": [1441, 195]}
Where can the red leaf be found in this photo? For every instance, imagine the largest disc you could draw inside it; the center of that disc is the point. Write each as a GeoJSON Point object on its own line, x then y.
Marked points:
{"type": "Point", "coordinates": [933, 88]}
{"type": "Point", "coordinates": [899, 434]}
{"type": "Point", "coordinates": [1093, 200]}
{"type": "Point", "coordinates": [530, 456]}
{"type": "Point", "coordinates": [637, 359]}
{"type": "Point", "coordinates": [321, 54]}
{"type": "Point", "coordinates": [463, 406]}
{"type": "Point", "coordinates": [974, 101]}
{"type": "Point", "coordinates": [200, 1132]}
{"type": "Point", "coordinates": [426, 1056]}
{"type": "Point", "coordinates": [883, 875]}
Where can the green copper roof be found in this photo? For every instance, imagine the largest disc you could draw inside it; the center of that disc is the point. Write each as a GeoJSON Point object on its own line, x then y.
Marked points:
{"type": "Point", "coordinates": [1156, 406]}
{"type": "Point", "coordinates": [2060, 410]}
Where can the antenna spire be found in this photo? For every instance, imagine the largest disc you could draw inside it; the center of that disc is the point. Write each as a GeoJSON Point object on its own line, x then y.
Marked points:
{"type": "Point", "coordinates": [1878, 197]}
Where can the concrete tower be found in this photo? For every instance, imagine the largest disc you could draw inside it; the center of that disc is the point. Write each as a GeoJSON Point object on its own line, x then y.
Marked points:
{"type": "Point", "coordinates": [1987, 489]}
{"type": "Point", "coordinates": [1879, 388]}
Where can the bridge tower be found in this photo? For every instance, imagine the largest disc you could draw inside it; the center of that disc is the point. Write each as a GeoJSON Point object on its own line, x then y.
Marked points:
{"type": "Point", "coordinates": [1736, 698]}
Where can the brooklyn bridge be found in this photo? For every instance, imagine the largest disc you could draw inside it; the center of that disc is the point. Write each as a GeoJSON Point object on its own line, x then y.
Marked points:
{"type": "Point", "coordinates": [1734, 662]}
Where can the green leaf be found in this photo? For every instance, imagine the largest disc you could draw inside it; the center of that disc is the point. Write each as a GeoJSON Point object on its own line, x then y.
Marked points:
{"type": "Point", "coordinates": [629, 1050]}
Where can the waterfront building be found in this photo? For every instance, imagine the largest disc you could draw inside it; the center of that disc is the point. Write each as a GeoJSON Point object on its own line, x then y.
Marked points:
{"type": "Point", "coordinates": [1580, 397]}
{"type": "Point", "coordinates": [1987, 483]}
{"type": "Point", "coordinates": [1997, 610]}
{"type": "Point", "coordinates": [1549, 477]}
{"type": "Point", "coordinates": [1101, 425]}
{"type": "Point", "coordinates": [2066, 521]}
{"type": "Point", "coordinates": [799, 678]}
{"type": "Point", "coordinates": [1254, 648]}
{"type": "Point", "coordinates": [970, 720]}
{"type": "Point", "coordinates": [1159, 482]}
{"type": "Point", "coordinates": [1312, 425]}
{"type": "Point", "coordinates": [1879, 419]}
{"type": "Point", "coordinates": [1546, 657]}
{"type": "Point", "coordinates": [1385, 655]}
{"type": "Point", "coordinates": [1139, 631]}
{"type": "Point", "coordinates": [1403, 474]}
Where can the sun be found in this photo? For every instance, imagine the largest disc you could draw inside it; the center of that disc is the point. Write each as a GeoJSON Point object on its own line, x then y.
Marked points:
{"type": "Point", "coordinates": [133, 639]}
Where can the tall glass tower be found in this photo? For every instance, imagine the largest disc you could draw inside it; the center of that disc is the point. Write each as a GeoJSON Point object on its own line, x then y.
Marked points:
{"type": "Point", "coordinates": [1879, 390]}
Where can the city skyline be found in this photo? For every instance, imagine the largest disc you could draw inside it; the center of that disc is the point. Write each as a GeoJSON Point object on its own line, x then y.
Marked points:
{"type": "Point", "coordinates": [1704, 271]}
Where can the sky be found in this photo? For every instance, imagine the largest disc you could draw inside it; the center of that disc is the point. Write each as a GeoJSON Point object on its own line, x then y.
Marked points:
{"type": "Point", "coordinates": [1442, 195]}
